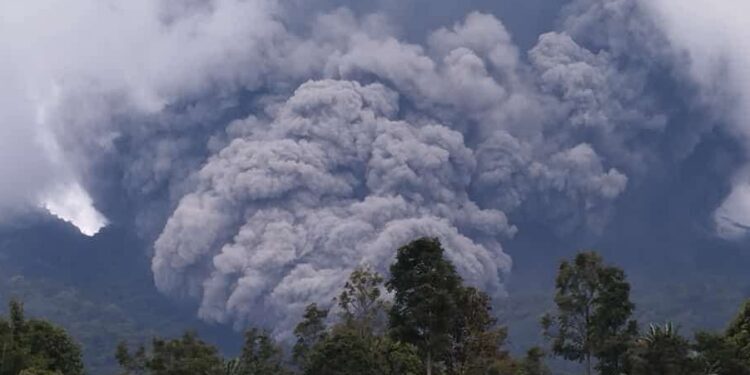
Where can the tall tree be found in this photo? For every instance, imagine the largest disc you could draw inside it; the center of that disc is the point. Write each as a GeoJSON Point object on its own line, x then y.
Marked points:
{"type": "Point", "coordinates": [425, 287]}
{"type": "Point", "coordinates": [592, 320]}
{"type": "Point", "coordinates": [309, 332]}
{"type": "Point", "coordinates": [355, 345]}
{"type": "Point", "coordinates": [614, 330]}
{"type": "Point", "coordinates": [533, 363]}
{"type": "Point", "coordinates": [360, 303]}
{"type": "Point", "coordinates": [477, 340]}
{"type": "Point", "coordinates": [260, 355]}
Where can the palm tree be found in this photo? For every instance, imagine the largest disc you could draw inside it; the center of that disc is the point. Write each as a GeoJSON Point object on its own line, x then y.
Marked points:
{"type": "Point", "coordinates": [656, 333]}
{"type": "Point", "coordinates": [233, 367]}
{"type": "Point", "coordinates": [661, 350]}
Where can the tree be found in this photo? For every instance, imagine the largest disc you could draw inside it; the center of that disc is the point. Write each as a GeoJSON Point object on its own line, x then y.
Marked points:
{"type": "Point", "coordinates": [614, 331]}
{"type": "Point", "coordinates": [36, 346]}
{"type": "Point", "coordinates": [662, 351]}
{"type": "Point", "coordinates": [233, 367]}
{"type": "Point", "coordinates": [343, 353]}
{"type": "Point", "coordinates": [309, 332]}
{"type": "Point", "coordinates": [728, 353]}
{"type": "Point", "coordinates": [134, 364]}
{"type": "Point", "coordinates": [354, 345]}
{"type": "Point", "coordinates": [347, 352]}
{"type": "Point", "coordinates": [738, 332]}
{"type": "Point", "coordinates": [360, 302]}
{"type": "Point", "coordinates": [533, 363]}
{"type": "Point", "coordinates": [260, 355]}
{"type": "Point", "coordinates": [185, 355]}
{"type": "Point", "coordinates": [719, 356]}
{"type": "Point", "coordinates": [398, 358]}
{"type": "Point", "coordinates": [425, 286]}
{"type": "Point", "coordinates": [61, 353]}
{"type": "Point", "coordinates": [477, 340]}
{"type": "Point", "coordinates": [593, 314]}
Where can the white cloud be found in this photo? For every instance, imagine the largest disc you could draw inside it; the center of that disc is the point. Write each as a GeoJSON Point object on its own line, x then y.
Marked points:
{"type": "Point", "coordinates": [72, 204]}
{"type": "Point", "coordinates": [716, 37]}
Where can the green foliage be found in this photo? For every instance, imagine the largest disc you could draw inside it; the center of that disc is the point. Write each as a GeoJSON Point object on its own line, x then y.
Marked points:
{"type": "Point", "coordinates": [738, 333]}
{"type": "Point", "coordinates": [185, 355]}
{"type": "Point", "coordinates": [425, 287]}
{"type": "Point", "coordinates": [593, 314]}
{"type": "Point", "coordinates": [593, 321]}
{"type": "Point", "coordinates": [347, 352]}
{"type": "Point", "coordinates": [662, 351]}
{"type": "Point", "coordinates": [100, 316]}
{"type": "Point", "coordinates": [190, 355]}
{"type": "Point", "coordinates": [344, 353]}
{"type": "Point", "coordinates": [727, 354]}
{"type": "Point", "coordinates": [260, 355]}
{"type": "Point", "coordinates": [309, 332]}
{"type": "Point", "coordinates": [435, 325]}
{"type": "Point", "coordinates": [360, 303]}
{"type": "Point", "coordinates": [719, 356]}
{"type": "Point", "coordinates": [233, 367]}
{"type": "Point", "coordinates": [477, 341]}
{"type": "Point", "coordinates": [134, 364]}
{"type": "Point", "coordinates": [452, 325]}
{"type": "Point", "coordinates": [399, 358]}
{"type": "Point", "coordinates": [355, 344]}
{"type": "Point", "coordinates": [36, 346]}
{"type": "Point", "coordinates": [533, 363]}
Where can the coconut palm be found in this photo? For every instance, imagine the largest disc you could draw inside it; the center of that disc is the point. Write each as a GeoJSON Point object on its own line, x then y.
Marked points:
{"type": "Point", "coordinates": [662, 351]}
{"type": "Point", "coordinates": [233, 367]}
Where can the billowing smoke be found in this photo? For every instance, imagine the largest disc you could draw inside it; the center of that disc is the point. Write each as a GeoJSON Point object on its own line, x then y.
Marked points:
{"type": "Point", "coordinates": [448, 140]}
{"type": "Point", "coordinates": [34, 172]}
{"type": "Point", "coordinates": [281, 215]}
{"type": "Point", "coordinates": [267, 151]}
{"type": "Point", "coordinates": [716, 38]}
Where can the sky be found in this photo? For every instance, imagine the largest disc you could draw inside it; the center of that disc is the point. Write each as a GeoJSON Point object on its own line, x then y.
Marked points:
{"type": "Point", "coordinates": [265, 148]}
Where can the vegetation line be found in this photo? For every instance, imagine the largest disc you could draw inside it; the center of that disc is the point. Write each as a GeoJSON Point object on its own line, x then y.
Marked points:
{"type": "Point", "coordinates": [429, 323]}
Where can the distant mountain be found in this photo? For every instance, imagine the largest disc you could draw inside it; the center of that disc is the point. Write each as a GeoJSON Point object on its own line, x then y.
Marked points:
{"type": "Point", "coordinates": [99, 288]}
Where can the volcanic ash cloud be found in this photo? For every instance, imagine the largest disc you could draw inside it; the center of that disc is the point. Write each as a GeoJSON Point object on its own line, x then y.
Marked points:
{"type": "Point", "coordinates": [280, 217]}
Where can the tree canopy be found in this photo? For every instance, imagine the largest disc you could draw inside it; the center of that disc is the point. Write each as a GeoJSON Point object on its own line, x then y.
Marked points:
{"type": "Point", "coordinates": [419, 319]}
{"type": "Point", "coordinates": [593, 316]}
{"type": "Point", "coordinates": [34, 346]}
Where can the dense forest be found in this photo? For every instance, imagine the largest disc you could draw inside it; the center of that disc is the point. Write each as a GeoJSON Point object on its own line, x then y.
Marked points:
{"type": "Point", "coordinates": [421, 319]}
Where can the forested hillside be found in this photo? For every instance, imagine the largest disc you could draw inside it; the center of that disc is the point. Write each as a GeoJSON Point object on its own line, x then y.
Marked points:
{"type": "Point", "coordinates": [99, 289]}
